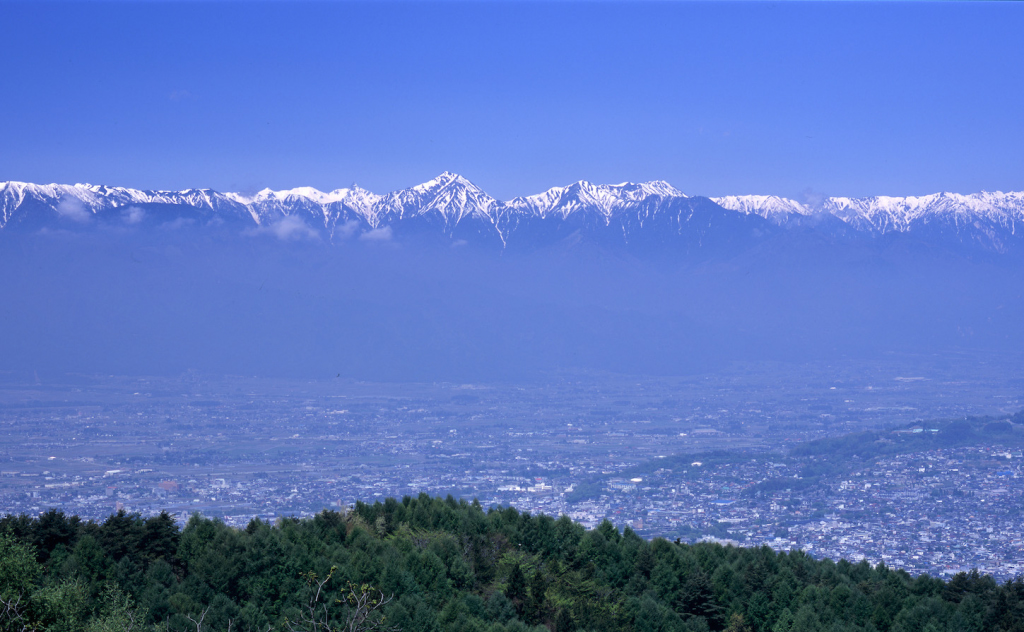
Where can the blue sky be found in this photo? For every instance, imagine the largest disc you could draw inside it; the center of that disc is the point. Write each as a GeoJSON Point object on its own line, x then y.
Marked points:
{"type": "Point", "coordinates": [717, 98]}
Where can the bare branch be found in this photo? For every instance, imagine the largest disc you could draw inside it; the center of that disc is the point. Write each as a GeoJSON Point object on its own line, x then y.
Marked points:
{"type": "Point", "coordinates": [366, 614]}
{"type": "Point", "coordinates": [12, 611]}
{"type": "Point", "coordinates": [199, 623]}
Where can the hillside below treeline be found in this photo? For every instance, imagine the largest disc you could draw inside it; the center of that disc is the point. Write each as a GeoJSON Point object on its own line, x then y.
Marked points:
{"type": "Point", "coordinates": [451, 565]}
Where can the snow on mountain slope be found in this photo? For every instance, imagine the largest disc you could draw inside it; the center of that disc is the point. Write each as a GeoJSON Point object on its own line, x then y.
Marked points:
{"type": "Point", "coordinates": [604, 199]}
{"type": "Point", "coordinates": [771, 207]}
{"type": "Point", "coordinates": [448, 196]}
{"type": "Point", "coordinates": [81, 202]}
{"type": "Point", "coordinates": [450, 201]}
{"type": "Point", "coordinates": [986, 216]}
{"type": "Point", "coordinates": [885, 214]}
{"type": "Point", "coordinates": [324, 208]}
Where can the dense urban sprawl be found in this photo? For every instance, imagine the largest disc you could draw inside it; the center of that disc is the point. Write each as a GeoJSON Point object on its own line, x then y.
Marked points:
{"type": "Point", "coordinates": [701, 459]}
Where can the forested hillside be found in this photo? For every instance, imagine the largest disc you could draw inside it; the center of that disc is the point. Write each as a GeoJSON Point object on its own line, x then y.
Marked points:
{"type": "Point", "coordinates": [430, 564]}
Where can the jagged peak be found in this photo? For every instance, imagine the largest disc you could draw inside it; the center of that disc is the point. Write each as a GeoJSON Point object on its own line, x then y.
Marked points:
{"type": "Point", "coordinates": [767, 206]}
{"type": "Point", "coordinates": [456, 198]}
{"type": "Point", "coordinates": [446, 178]}
{"type": "Point", "coordinates": [662, 185]}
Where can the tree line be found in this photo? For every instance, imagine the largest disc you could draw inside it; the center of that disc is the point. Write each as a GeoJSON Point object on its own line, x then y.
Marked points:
{"type": "Point", "coordinates": [439, 565]}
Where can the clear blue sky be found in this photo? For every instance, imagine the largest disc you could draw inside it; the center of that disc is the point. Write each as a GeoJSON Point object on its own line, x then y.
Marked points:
{"type": "Point", "coordinates": [717, 98]}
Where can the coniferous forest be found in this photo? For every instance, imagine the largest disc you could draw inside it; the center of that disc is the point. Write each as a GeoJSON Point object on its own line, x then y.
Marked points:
{"type": "Point", "coordinates": [430, 564]}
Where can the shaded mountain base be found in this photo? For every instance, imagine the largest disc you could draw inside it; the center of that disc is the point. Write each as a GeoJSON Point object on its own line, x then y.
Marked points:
{"type": "Point", "coordinates": [165, 303]}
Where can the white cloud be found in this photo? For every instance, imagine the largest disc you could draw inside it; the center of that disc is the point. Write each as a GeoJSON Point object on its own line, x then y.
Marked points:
{"type": "Point", "coordinates": [287, 228]}
{"type": "Point", "coordinates": [347, 229]}
{"type": "Point", "coordinates": [377, 234]}
{"type": "Point", "coordinates": [133, 215]}
{"type": "Point", "coordinates": [74, 210]}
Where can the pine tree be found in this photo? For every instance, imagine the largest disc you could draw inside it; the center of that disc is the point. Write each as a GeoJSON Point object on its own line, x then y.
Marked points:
{"type": "Point", "coordinates": [538, 592]}
{"type": "Point", "coordinates": [516, 588]}
{"type": "Point", "coordinates": [564, 622]}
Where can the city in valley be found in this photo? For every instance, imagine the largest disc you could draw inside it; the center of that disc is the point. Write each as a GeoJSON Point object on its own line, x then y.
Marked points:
{"type": "Point", "coordinates": [918, 468]}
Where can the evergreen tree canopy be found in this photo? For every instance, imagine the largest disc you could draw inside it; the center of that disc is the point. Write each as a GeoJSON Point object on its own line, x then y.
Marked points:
{"type": "Point", "coordinates": [433, 565]}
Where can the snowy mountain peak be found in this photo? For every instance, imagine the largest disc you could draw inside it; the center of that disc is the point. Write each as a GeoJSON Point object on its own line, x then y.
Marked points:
{"type": "Point", "coordinates": [770, 207]}
{"type": "Point", "coordinates": [985, 214]}
{"type": "Point", "coordinates": [444, 179]}
{"type": "Point", "coordinates": [449, 201]}
{"type": "Point", "coordinates": [449, 198]}
{"type": "Point", "coordinates": [889, 213]}
{"type": "Point", "coordinates": [605, 199]}
{"type": "Point", "coordinates": [660, 187]}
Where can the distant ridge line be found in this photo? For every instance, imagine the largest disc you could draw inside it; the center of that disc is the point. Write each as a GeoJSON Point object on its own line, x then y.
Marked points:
{"type": "Point", "coordinates": [450, 201]}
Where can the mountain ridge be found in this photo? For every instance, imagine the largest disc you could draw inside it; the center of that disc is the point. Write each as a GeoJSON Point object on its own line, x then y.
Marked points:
{"type": "Point", "coordinates": [455, 207]}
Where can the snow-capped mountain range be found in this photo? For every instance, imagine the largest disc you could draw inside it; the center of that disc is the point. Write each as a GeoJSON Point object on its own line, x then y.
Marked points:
{"type": "Point", "coordinates": [885, 214]}
{"type": "Point", "coordinates": [454, 207]}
